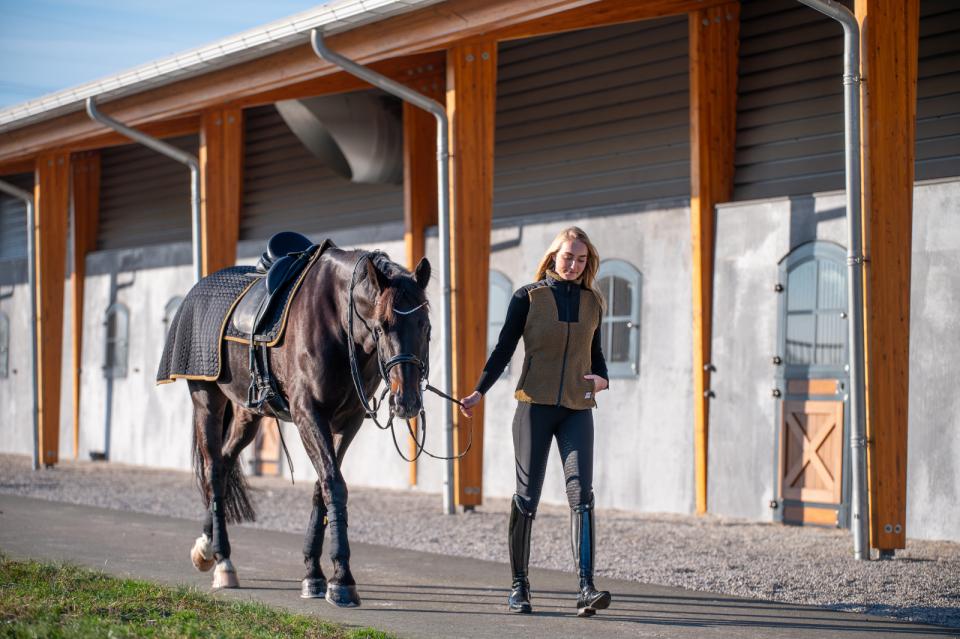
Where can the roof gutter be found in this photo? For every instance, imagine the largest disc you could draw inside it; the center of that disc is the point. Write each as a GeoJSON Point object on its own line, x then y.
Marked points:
{"type": "Point", "coordinates": [855, 265]}
{"type": "Point", "coordinates": [173, 153]}
{"type": "Point", "coordinates": [443, 218]}
{"type": "Point", "coordinates": [27, 198]}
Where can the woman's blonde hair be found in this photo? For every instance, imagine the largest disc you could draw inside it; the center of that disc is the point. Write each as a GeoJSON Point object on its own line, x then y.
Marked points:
{"type": "Point", "coordinates": [548, 261]}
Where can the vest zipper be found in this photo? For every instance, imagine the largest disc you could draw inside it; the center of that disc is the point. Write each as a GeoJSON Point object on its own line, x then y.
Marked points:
{"type": "Point", "coordinates": [566, 346]}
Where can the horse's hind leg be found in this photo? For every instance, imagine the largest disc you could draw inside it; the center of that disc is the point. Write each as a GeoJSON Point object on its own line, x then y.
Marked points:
{"type": "Point", "coordinates": [212, 415]}
{"type": "Point", "coordinates": [241, 430]}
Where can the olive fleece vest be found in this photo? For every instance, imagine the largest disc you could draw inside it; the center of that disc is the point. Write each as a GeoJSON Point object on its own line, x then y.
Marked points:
{"type": "Point", "coordinates": [557, 354]}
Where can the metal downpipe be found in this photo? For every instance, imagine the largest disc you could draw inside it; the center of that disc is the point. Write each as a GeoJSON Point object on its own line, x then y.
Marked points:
{"type": "Point", "coordinates": [173, 153]}
{"type": "Point", "coordinates": [443, 218]}
{"type": "Point", "coordinates": [27, 198]}
{"type": "Point", "coordinates": [855, 267]}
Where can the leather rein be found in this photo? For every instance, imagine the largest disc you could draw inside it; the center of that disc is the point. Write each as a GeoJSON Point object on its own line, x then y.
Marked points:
{"type": "Point", "coordinates": [372, 405]}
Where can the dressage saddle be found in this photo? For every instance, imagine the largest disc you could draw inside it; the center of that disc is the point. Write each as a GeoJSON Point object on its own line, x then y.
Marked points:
{"type": "Point", "coordinates": [287, 255]}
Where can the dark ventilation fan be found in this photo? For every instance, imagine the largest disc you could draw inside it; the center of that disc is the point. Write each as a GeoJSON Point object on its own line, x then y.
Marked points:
{"type": "Point", "coordinates": [358, 135]}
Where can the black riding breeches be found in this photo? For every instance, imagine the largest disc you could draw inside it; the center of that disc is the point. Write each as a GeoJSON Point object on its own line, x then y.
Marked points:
{"type": "Point", "coordinates": [534, 427]}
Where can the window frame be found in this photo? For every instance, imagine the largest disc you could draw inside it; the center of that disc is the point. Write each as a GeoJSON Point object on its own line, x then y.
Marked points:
{"type": "Point", "coordinates": [634, 277]}
{"type": "Point", "coordinates": [119, 368]}
{"type": "Point", "coordinates": [169, 312]}
{"type": "Point", "coordinates": [813, 251]}
{"type": "Point", "coordinates": [4, 345]}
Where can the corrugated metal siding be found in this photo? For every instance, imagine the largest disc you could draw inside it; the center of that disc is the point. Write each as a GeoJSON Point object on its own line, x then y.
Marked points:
{"type": "Point", "coordinates": [593, 120]}
{"type": "Point", "coordinates": [938, 90]}
{"type": "Point", "coordinates": [13, 219]}
{"type": "Point", "coordinates": [144, 196]}
{"type": "Point", "coordinates": [287, 188]}
{"type": "Point", "coordinates": [790, 101]}
{"type": "Point", "coordinates": [790, 98]}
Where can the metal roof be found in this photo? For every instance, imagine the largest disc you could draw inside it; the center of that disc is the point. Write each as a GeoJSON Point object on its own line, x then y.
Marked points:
{"type": "Point", "coordinates": [335, 16]}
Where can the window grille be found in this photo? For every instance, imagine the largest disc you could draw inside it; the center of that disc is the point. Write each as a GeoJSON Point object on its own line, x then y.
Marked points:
{"type": "Point", "coordinates": [814, 310]}
{"type": "Point", "coordinates": [169, 311]}
{"type": "Point", "coordinates": [4, 346]}
{"type": "Point", "coordinates": [620, 282]}
{"type": "Point", "coordinates": [116, 344]}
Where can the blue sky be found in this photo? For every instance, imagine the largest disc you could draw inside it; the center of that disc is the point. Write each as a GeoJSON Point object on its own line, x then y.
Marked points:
{"type": "Point", "coordinates": [49, 45]}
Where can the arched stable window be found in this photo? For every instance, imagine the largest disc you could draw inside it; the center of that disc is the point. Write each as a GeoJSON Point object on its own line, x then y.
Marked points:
{"type": "Point", "coordinates": [116, 344]}
{"type": "Point", "coordinates": [620, 282]}
{"type": "Point", "coordinates": [173, 305]}
{"type": "Point", "coordinates": [501, 290]}
{"type": "Point", "coordinates": [814, 306]}
{"type": "Point", "coordinates": [4, 346]}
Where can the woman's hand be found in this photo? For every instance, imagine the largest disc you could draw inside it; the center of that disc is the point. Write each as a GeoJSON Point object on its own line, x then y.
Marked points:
{"type": "Point", "coordinates": [599, 383]}
{"type": "Point", "coordinates": [469, 402]}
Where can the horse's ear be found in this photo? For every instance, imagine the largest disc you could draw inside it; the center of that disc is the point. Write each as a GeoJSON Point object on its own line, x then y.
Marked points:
{"type": "Point", "coordinates": [422, 273]}
{"type": "Point", "coordinates": [377, 280]}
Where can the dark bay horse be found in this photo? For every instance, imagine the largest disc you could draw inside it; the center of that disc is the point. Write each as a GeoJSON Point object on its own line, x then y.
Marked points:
{"type": "Point", "coordinates": [391, 332]}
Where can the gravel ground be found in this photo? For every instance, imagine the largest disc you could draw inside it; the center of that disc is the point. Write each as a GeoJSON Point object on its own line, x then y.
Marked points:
{"type": "Point", "coordinates": [736, 557]}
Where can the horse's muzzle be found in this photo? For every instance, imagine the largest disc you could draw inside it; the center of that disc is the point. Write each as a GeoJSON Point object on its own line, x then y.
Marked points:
{"type": "Point", "coordinates": [406, 405]}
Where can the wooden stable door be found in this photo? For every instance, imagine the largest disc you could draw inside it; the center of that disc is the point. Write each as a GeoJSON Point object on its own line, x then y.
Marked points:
{"type": "Point", "coordinates": [812, 380]}
{"type": "Point", "coordinates": [811, 460]}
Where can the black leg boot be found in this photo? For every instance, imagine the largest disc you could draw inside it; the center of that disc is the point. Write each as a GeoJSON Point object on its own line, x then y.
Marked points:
{"type": "Point", "coordinates": [518, 540]}
{"type": "Point", "coordinates": [589, 599]}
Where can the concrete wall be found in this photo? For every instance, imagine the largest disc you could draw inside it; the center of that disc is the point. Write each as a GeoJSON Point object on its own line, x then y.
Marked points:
{"type": "Point", "coordinates": [644, 425]}
{"type": "Point", "coordinates": [933, 460]}
{"type": "Point", "coordinates": [16, 398]}
{"type": "Point", "coordinates": [752, 238]}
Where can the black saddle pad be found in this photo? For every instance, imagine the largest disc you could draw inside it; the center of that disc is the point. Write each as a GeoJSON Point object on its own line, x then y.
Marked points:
{"type": "Point", "coordinates": [192, 349]}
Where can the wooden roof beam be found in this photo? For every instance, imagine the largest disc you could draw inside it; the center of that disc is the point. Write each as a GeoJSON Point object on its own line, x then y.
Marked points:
{"type": "Point", "coordinates": [432, 28]}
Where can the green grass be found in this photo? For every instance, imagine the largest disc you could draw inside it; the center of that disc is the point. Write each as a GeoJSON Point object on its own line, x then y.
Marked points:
{"type": "Point", "coordinates": [55, 600]}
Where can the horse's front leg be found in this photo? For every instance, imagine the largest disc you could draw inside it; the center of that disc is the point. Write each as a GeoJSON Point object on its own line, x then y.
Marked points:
{"type": "Point", "coordinates": [318, 441]}
{"type": "Point", "coordinates": [314, 584]}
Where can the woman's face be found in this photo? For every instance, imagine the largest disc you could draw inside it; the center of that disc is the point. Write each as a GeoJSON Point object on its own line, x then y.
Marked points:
{"type": "Point", "coordinates": [571, 259]}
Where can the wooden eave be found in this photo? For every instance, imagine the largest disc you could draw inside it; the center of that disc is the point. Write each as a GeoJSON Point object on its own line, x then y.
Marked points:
{"type": "Point", "coordinates": [391, 46]}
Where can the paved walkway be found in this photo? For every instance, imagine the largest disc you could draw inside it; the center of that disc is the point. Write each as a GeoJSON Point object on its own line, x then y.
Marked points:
{"type": "Point", "coordinates": [407, 593]}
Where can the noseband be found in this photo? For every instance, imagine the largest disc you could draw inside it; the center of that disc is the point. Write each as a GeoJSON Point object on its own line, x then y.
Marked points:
{"type": "Point", "coordinates": [372, 405]}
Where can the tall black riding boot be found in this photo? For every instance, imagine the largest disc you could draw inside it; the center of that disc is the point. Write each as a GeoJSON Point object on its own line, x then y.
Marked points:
{"type": "Point", "coordinates": [518, 540]}
{"type": "Point", "coordinates": [589, 599]}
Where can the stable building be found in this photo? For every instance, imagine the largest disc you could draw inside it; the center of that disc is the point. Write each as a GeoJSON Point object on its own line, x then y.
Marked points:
{"type": "Point", "coordinates": [700, 143]}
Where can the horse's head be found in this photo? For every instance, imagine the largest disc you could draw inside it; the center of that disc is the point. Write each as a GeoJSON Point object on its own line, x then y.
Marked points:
{"type": "Point", "coordinates": [401, 326]}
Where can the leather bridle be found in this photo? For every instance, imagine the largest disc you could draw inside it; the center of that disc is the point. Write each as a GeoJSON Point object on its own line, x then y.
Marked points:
{"type": "Point", "coordinates": [372, 405]}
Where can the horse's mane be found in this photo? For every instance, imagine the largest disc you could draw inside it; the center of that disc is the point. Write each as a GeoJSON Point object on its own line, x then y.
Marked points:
{"type": "Point", "coordinates": [403, 289]}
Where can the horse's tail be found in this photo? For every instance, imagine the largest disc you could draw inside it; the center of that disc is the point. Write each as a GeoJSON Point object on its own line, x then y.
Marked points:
{"type": "Point", "coordinates": [236, 502]}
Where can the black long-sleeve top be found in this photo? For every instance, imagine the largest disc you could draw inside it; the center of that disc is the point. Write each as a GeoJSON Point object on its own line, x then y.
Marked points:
{"type": "Point", "coordinates": [567, 296]}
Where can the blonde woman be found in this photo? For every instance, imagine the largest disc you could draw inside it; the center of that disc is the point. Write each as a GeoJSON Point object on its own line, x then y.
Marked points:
{"type": "Point", "coordinates": [559, 318]}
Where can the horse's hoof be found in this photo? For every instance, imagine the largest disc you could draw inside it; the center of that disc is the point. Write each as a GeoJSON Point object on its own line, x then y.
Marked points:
{"type": "Point", "coordinates": [313, 588]}
{"type": "Point", "coordinates": [225, 575]}
{"type": "Point", "coordinates": [343, 596]}
{"type": "Point", "coordinates": [202, 554]}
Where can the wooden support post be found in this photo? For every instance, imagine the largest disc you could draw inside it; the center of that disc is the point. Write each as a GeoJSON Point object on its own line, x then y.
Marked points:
{"type": "Point", "coordinates": [52, 198]}
{"type": "Point", "coordinates": [714, 39]}
{"type": "Point", "coordinates": [890, 31]}
{"type": "Point", "coordinates": [221, 171]}
{"type": "Point", "coordinates": [419, 184]}
{"type": "Point", "coordinates": [85, 187]}
{"type": "Point", "coordinates": [471, 98]}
